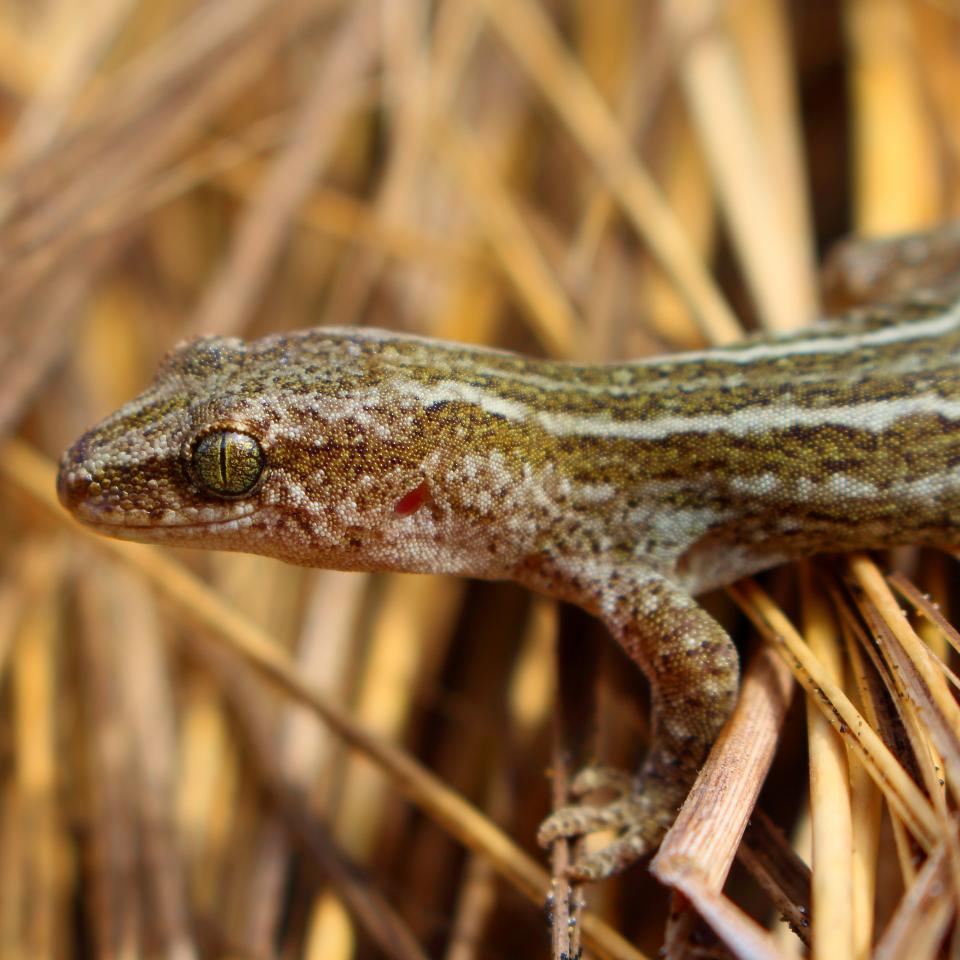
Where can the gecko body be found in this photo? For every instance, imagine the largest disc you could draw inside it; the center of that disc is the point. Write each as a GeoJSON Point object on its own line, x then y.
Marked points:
{"type": "Point", "coordinates": [626, 489]}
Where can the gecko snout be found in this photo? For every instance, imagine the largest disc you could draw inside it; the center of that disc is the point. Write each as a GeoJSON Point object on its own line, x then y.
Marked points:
{"type": "Point", "coordinates": [73, 479]}
{"type": "Point", "coordinates": [83, 487]}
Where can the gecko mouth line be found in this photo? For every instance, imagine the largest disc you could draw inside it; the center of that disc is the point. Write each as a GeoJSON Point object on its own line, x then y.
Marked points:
{"type": "Point", "coordinates": [157, 527]}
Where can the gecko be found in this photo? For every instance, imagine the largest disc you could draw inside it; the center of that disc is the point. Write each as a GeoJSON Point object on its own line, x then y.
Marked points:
{"type": "Point", "coordinates": [627, 489]}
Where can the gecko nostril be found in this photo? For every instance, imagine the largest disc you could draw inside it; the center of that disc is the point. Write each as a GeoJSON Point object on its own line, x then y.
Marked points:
{"type": "Point", "coordinates": [72, 478]}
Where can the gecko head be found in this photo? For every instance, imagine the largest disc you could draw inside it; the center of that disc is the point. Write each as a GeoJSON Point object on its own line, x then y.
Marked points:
{"type": "Point", "coordinates": [296, 446]}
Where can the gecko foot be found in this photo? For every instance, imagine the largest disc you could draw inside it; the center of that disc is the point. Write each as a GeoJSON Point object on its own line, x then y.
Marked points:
{"type": "Point", "coordinates": [630, 814]}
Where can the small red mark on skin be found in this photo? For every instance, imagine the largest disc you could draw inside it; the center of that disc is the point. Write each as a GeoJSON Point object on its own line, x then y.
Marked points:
{"type": "Point", "coordinates": [411, 502]}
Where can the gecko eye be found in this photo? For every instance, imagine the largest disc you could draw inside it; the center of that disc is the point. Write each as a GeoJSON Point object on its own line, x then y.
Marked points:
{"type": "Point", "coordinates": [227, 463]}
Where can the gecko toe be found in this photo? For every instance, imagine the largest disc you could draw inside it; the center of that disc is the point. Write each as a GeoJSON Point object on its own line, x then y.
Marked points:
{"type": "Point", "coordinates": [615, 857]}
{"type": "Point", "coordinates": [600, 777]}
{"type": "Point", "coordinates": [577, 820]}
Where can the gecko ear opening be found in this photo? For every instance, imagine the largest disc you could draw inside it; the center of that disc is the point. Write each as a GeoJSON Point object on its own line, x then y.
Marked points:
{"type": "Point", "coordinates": [227, 463]}
{"type": "Point", "coordinates": [411, 502]}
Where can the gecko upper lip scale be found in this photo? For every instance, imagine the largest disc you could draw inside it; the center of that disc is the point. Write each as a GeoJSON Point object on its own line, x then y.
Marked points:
{"type": "Point", "coordinates": [626, 489]}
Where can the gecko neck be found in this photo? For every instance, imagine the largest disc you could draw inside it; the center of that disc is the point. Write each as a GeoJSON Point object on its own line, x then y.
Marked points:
{"type": "Point", "coordinates": [705, 466]}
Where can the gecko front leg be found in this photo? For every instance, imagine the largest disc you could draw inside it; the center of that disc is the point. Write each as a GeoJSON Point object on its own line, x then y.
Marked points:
{"type": "Point", "coordinates": [693, 671]}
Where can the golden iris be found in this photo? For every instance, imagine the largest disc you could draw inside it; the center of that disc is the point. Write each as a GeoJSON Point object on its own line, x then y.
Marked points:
{"type": "Point", "coordinates": [227, 463]}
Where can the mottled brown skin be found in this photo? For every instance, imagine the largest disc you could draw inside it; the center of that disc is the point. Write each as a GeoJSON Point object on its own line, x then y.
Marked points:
{"type": "Point", "coordinates": [623, 489]}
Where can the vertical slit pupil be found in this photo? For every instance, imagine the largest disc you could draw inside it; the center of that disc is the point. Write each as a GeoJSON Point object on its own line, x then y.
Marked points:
{"type": "Point", "coordinates": [223, 459]}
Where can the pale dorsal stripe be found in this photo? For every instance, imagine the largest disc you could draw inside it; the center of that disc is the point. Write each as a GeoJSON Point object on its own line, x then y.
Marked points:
{"type": "Point", "coordinates": [873, 416]}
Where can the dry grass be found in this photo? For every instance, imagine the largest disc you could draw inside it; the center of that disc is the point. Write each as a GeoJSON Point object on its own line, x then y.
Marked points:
{"type": "Point", "coordinates": [211, 755]}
